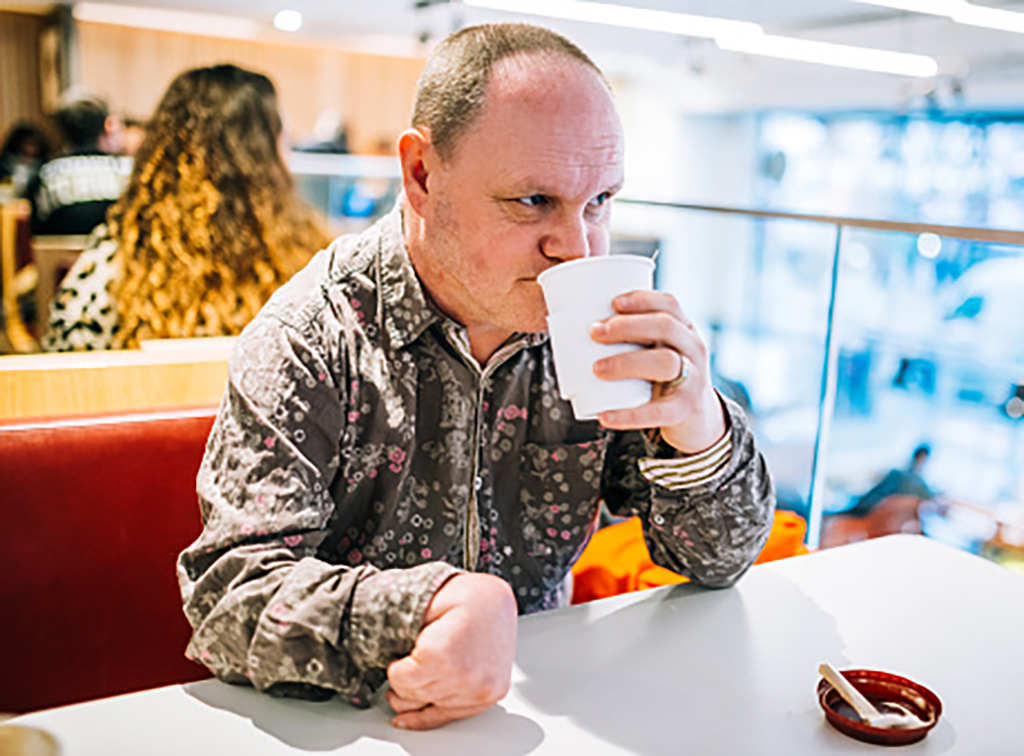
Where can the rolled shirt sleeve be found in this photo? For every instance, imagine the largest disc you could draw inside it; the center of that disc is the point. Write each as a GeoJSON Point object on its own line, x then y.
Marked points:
{"type": "Point", "coordinates": [706, 516]}
{"type": "Point", "coordinates": [692, 470]}
{"type": "Point", "coordinates": [263, 607]}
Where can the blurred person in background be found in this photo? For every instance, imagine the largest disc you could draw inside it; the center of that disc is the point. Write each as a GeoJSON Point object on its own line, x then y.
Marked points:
{"type": "Point", "coordinates": [907, 481]}
{"type": "Point", "coordinates": [25, 149]}
{"type": "Point", "coordinates": [134, 136]}
{"type": "Point", "coordinates": [72, 193]}
{"type": "Point", "coordinates": [893, 505]}
{"type": "Point", "coordinates": [207, 229]}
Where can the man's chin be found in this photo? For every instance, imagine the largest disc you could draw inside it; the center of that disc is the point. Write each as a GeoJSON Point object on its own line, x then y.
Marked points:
{"type": "Point", "coordinates": [535, 320]}
{"type": "Point", "coordinates": [528, 325]}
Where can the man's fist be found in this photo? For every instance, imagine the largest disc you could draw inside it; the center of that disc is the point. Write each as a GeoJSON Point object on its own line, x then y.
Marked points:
{"type": "Point", "coordinates": [462, 662]}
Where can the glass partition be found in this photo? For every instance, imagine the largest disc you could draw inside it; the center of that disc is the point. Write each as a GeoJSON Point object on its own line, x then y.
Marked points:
{"type": "Point", "coordinates": [930, 336]}
{"type": "Point", "coordinates": [914, 343]}
{"type": "Point", "coordinates": [351, 190]}
{"type": "Point", "coordinates": [758, 291]}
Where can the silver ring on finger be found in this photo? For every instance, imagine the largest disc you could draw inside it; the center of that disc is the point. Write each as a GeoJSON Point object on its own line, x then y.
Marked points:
{"type": "Point", "coordinates": [684, 373]}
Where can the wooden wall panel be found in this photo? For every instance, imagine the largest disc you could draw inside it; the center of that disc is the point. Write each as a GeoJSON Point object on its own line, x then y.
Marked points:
{"type": "Point", "coordinates": [133, 67]}
{"type": "Point", "coordinates": [19, 68]}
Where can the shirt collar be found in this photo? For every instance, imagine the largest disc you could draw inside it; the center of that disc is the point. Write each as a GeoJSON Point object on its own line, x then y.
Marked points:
{"type": "Point", "coordinates": [405, 308]}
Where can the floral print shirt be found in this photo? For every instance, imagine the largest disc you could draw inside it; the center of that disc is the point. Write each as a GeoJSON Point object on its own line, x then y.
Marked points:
{"type": "Point", "coordinates": [361, 457]}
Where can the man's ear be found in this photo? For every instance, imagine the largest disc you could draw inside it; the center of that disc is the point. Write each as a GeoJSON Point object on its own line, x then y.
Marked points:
{"type": "Point", "coordinates": [418, 158]}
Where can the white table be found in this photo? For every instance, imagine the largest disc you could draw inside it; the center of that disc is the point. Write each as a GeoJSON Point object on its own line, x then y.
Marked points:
{"type": "Point", "coordinates": [670, 671]}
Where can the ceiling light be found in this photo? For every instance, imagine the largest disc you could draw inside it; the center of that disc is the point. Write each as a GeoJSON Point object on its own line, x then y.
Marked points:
{"type": "Point", "coordinates": [935, 7]}
{"type": "Point", "coordinates": [620, 15]}
{"type": "Point", "coordinates": [736, 36]}
{"type": "Point", "coordinates": [830, 54]}
{"type": "Point", "coordinates": [288, 20]}
{"type": "Point", "coordinates": [186, 22]}
{"type": "Point", "coordinates": [990, 18]}
{"type": "Point", "coordinates": [959, 11]}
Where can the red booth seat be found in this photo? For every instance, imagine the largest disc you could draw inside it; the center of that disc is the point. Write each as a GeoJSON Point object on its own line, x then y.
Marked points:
{"type": "Point", "coordinates": [94, 513]}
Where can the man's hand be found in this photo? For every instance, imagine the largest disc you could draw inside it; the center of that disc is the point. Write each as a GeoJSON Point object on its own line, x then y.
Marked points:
{"type": "Point", "coordinates": [689, 415]}
{"type": "Point", "coordinates": [462, 662]}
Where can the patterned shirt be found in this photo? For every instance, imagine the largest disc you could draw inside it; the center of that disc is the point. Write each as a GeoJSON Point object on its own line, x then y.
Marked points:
{"type": "Point", "coordinates": [83, 316]}
{"type": "Point", "coordinates": [361, 457]}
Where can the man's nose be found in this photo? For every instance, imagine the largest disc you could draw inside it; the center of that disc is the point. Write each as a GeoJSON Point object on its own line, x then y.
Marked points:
{"type": "Point", "coordinates": [569, 240]}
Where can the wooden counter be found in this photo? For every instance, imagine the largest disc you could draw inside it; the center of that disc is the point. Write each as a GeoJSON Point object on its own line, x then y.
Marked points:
{"type": "Point", "coordinates": [54, 385]}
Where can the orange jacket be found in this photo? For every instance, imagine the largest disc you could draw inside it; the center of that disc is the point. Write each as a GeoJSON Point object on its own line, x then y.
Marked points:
{"type": "Point", "coordinates": [616, 559]}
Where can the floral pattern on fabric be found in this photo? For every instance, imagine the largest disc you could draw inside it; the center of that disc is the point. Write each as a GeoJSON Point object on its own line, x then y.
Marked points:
{"type": "Point", "coordinates": [361, 457]}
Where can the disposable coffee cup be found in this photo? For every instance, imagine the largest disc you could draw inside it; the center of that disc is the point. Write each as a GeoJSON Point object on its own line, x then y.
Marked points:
{"type": "Point", "coordinates": [578, 294]}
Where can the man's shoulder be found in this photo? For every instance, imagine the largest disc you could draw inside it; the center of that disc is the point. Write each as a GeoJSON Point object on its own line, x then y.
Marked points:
{"type": "Point", "coordinates": [350, 256]}
{"type": "Point", "coordinates": [304, 303]}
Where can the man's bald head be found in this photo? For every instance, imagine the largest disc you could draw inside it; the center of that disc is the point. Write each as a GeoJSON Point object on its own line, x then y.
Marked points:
{"type": "Point", "coordinates": [452, 87]}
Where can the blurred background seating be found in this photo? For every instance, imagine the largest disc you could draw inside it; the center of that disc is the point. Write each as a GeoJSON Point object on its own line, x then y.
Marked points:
{"type": "Point", "coordinates": [617, 560]}
{"type": "Point", "coordinates": [54, 256]}
{"type": "Point", "coordinates": [18, 273]}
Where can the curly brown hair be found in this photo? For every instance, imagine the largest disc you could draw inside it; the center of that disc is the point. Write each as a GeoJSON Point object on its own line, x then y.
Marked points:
{"type": "Point", "coordinates": [209, 225]}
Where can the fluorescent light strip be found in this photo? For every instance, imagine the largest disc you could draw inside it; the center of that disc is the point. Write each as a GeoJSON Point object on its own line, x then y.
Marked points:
{"type": "Point", "coordinates": [934, 7]}
{"type": "Point", "coordinates": [735, 36]}
{"type": "Point", "coordinates": [830, 54]}
{"type": "Point", "coordinates": [989, 18]}
{"type": "Point", "coordinates": [620, 15]}
{"type": "Point", "coordinates": [959, 11]}
{"type": "Point", "coordinates": [206, 24]}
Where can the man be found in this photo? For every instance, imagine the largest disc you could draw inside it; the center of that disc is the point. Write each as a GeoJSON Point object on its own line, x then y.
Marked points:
{"type": "Point", "coordinates": [72, 193]}
{"type": "Point", "coordinates": [907, 482]}
{"type": "Point", "coordinates": [393, 475]}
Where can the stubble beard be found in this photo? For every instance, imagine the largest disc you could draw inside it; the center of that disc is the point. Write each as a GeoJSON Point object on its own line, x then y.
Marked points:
{"type": "Point", "coordinates": [520, 306]}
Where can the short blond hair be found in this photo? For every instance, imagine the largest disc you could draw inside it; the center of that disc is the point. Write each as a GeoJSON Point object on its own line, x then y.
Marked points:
{"type": "Point", "coordinates": [452, 87]}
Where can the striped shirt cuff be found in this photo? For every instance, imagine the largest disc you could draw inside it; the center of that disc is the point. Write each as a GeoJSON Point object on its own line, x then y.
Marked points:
{"type": "Point", "coordinates": [690, 471]}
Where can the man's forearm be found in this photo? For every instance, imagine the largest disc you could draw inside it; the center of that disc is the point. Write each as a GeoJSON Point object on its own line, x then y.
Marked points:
{"type": "Point", "coordinates": [304, 627]}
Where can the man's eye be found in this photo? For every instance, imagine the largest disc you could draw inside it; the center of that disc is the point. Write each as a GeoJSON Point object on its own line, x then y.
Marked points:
{"type": "Point", "coordinates": [534, 200]}
{"type": "Point", "coordinates": [601, 199]}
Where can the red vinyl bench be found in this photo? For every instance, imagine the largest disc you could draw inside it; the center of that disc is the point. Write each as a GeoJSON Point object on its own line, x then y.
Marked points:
{"type": "Point", "coordinates": [93, 514]}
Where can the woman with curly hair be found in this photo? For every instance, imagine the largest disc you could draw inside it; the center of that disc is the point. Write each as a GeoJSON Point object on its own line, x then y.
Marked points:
{"type": "Point", "coordinates": [207, 229]}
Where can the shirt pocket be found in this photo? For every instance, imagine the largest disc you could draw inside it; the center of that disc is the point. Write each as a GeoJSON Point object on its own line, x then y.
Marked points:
{"type": "Point", "coordinates": [560, 485]}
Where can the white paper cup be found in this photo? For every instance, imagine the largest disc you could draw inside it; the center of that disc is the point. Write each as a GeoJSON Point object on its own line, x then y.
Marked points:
{"type": "Point", "coordinates": [575, 354]}
{"type": "Point", "coordinates": [579, 294]}
{"type": "Point", "coordinates": [587, 286]}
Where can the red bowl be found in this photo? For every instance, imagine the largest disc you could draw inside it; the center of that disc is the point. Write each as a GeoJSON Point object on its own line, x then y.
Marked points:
{"type": "Point", "coordinates": [880, 687]}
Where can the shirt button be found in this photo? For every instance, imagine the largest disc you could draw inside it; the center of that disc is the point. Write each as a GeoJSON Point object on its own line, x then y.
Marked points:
{"type": "Point", "coordinates": [478, 483]}
{"type": "Point", "coordinates": [659, 520]}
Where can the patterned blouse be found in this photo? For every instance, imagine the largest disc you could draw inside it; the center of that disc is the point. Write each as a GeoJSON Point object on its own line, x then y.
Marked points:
{"type": "Point", "coordinates": [84, 313]}
{"type": "Point", "coordinates": [361, 457]}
